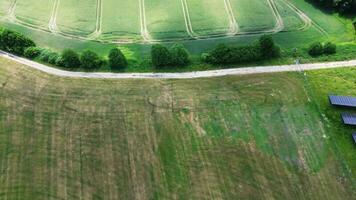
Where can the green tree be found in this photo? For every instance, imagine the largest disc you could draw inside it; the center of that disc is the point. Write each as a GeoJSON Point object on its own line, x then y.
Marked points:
{"type": "Point", "coordinates": [70, 59]}
{"type": "Point", "coordinates": [329, 48]}
{"type": "Point", "coordinates": [221, 54]}
{"type": "Point", "coordinates": [316, 49]}
{"type": "Point", "coordinates": [32, 52]}
{"type": "Point", "coordinates": [14, 42]}
{"type": "Point", "coordinates": [160, 56]}
{"type": "Point", "coordinates": [117, 60]}
{"type": "Point", "coordinates": [180, 55]}
{"type": "Point", "coordinates": [90, 60]}
{"type": "Point", "coordinates": [268, 48]}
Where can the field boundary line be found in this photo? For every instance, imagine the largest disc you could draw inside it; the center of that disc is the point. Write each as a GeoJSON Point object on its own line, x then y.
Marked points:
{"type": "Point", "coordinates": [182, 75]}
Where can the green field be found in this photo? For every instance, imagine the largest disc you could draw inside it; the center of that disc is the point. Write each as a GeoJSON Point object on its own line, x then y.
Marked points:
{"type": "Point", "coordinates": [165, 19]}
{"type": "Point", "coordinates": [253, 15]}
{"type": "Point", "coordinates": [158, 20]}
{"type": "Point", "coordinates": [199, 25]}
{"type": "Point", "coordinates": [208, 18]}
{"type": "Point", "coordinates": [269, 136]}
{"type": "Point", "coordinates": [77, 20]}
{"type": "Point", "coordinates": [123, 22]}
{"type": "Point", "coordinates": [5, 6]}
{"type": "Point", "coordinates": [35, 13]}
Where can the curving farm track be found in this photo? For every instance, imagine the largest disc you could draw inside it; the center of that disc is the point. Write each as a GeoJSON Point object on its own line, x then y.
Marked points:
{"type": "Point", "coordinates": [184, 75]}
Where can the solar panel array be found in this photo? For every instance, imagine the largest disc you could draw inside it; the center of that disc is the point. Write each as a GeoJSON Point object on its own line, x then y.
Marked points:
{"type": "Point", "coordinates": [346, 101]}
{"type": "Point", "coordinates": [343, 101]}
{"type": "Point", "coordinates": [349, 119]}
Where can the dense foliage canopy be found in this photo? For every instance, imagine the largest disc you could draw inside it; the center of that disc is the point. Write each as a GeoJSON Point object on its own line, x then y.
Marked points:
{"type": "Point", "coordinates": [342, 6]}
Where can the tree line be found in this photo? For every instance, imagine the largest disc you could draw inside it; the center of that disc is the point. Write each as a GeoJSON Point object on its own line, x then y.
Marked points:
{"type": "Point", "coordinates": [18, 44]}
{"type": "Point", "coordinates": [161, 56]}
{"type": "Point", "coordinates": [341, 6]}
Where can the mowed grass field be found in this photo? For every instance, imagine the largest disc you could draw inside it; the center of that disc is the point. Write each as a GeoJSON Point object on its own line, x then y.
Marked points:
{"type": "Point", "coordinates": [268, 136]}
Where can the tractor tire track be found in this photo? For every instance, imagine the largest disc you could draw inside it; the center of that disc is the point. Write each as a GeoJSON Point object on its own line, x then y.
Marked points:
{"type": "Point", "coordinates": [11, 11]}
{"type": "Point", "coordinates": [188, 22]}
{"type": "Point", "coordinates": [234, 28]}
{"type": "Point", "coordinates": [99, 12]}
{"type": "Point", "coordinates": [308, 22]}
{"type": "Point", "coordinates": [279, 21]}
{"type": "Point", "coordinates": [52, 26]}
{"type": "Point", "coordinates": [144, 32]}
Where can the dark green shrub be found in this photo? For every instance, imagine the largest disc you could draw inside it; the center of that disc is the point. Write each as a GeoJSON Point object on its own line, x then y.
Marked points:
{"type": "Point", "coordinates": [32, 52]}
{"type": "Point", "coordinates": [246, 54]}
{"type": "Point", "coordinates": [329, 48]}
{"type": "Point", "coordinates": [59, 61]}
{"type": "Point", "coordinates": [70, 59]}
{"type": "Point", "coordinates": [206, 57]}
{"type": "Point", "coordinates": [223, 54]}
{"type": "Point", "coordinates": [14, 42]}
{"type": "Point", "coordinates": [49, 56]}
{"type": "Point", "coordinates": [316, 49]}
{"type": "Point", "coordinates": [53, 57]}
{"type": "Point", "coordinates": [90, 60]}
{"type": "Point", "coordinates": [117, 60]}
{"type": "Point", "coordinates": [44, 55]}
{"type": "Point", "coordinates": [268, 48]}
{"type": "Point", "coordinates": [160, 56]}
{"type": "Point", "coordinates": [179, 55]}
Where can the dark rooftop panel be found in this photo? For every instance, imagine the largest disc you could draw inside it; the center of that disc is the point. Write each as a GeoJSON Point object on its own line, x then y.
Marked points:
{"type": "Point", "coordinates": [349, 119]}
{"type": "Point", "coordinates": [343, 101]}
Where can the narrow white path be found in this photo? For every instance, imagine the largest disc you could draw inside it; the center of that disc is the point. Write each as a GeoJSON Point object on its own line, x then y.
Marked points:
{"type": "Point", "coordinates": [183, 75]}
